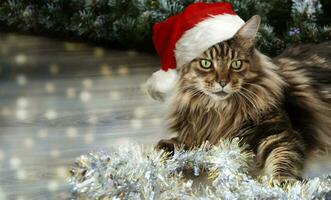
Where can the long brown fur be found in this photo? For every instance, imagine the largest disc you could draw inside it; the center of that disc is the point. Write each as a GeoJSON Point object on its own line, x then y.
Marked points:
{"type": "Point", "coordinates": [260, 107]}
{"type": "Point", "coordinates": [307, 70]}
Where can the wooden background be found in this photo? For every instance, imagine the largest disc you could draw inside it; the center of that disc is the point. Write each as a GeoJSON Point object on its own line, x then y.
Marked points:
{"type": "Point", "coordinates": [59, 100]}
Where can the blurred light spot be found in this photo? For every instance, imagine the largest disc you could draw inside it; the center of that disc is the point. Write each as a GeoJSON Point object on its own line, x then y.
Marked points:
{"type": "Point", "coordinates": [132, 53]}
{"type": "Point", "coordinates": [49, 87]}
{"type": "Point", "coordinates": [21, 174]}
{"type": "Point", "coordinates": [14, 162]}
{"type": "Point", "coordinates": [53, 186]}
{"type": "Point", "coordinates": [20, 59]}
{"type": "Point", "coordinates": [62, 172]}
{"type": "Point", "coordinates": [28, 143]}
{"type": "Point", "coordinates": [21, 114]}
{"type": "Point", "coordinates": [42, 134]}
{"type": "Point", "coordinates": [3, 195]}
{"type": "Point", "coordinates": [99, 52]}
{"type": "Point", "coordinates": [139, 112]}
{"type": "Point", "coordinates": [72, 132]}
{"type": "Point", "coordinates": [87, 83]}
{"type": "Point", "coordinates": [71, 92]}
{"type": "Point", "coordinates": [136, 124]}
{"type": "Point", "coordinates": [89, 138]}
{"type": "Point", "coordinates": [115, 95]}
{"type": "Point", "coordinates": [85, 96]}
{"type": "Point", "coordinates": [21, 79]}
{"type": "Point", "coordinates": [105, 70]}
{"type": "Point", "coordinates": [92, 119]}
{"type": "Point", "coordinates": [68, 46]}
{"type": "Point", "coordinates": [20, 198]}
{"type": "Point", "coordinates": [123, 70]}
{"type": "Point", "coordinates": [55, 153]}
{"type": "Point", "coordinates": [51, 114]}
{"type": "Point", "coordinates": [54, 69]}
{"type": "Point", "coordinates": [156, 121]}
{"type": "Point", "coordinates": [22, 102]}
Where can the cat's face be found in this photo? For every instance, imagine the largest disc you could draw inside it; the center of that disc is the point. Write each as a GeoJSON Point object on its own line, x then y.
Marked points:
{"type": "Point", "coordinates": [224, 69]}
{"type": "Point", "coordinates": [221, 70]}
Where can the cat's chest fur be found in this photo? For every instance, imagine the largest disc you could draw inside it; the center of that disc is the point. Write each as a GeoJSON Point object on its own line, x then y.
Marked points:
{"type": "Point", "coordinates": [196, 124]}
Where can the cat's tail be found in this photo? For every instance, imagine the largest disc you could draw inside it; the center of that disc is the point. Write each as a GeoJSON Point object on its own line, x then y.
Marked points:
{"type": "Point", "coordinates": [309, 112]}
{"type": "Point", "coordinates": [307, 70]}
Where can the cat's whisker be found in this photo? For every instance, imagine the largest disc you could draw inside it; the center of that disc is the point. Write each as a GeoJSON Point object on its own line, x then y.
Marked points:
{"type": "Point", "coordinates": [256, 86]}
{"type": "Point", "coordinates": [195, 92]}
{"type": "Point", "coordinates": [250, 100]}
{"type": "Point", "coordinates": [236, 98]}
{"type": "Point", "coordinates": [270, 103]}
{"type": "Point", "coordinates": [252, 95]}
{"type": "Point", "coordinates": [251, 92]}
{"type": "Point", "coordinates": [253, 84]}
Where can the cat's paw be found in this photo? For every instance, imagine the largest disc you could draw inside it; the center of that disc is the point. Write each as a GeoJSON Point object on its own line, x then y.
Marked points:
{"type": "Point", "coordinates": [284, 181]}
{"type": "Point", "coordinates": [168, 145]}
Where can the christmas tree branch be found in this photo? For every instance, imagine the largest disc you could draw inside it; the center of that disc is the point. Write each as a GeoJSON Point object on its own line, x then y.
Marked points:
{"type": "Point", "coordinates": [128, 23]}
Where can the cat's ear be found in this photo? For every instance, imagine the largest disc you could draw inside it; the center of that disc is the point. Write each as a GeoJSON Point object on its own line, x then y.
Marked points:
{"type": "Point", "coordinates": [245, 36]}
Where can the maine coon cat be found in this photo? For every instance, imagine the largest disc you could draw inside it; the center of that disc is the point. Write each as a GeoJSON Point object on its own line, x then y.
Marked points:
{"type": "Point", "coordinates": [276, 108]}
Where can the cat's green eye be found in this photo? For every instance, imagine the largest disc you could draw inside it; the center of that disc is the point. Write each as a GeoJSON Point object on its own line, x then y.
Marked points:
{"type": "Point", "coordinates": [236, 64]}
{"type": "Point", "coordinates": [206, 64]}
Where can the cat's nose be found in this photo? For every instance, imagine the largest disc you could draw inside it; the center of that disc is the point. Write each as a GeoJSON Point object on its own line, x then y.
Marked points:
{"type": "Point", "coordinates": [223, 83]}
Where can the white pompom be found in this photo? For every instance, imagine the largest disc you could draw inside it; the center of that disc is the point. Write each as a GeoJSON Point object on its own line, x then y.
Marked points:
{"type": "Point", "coordinates": [161, 83]}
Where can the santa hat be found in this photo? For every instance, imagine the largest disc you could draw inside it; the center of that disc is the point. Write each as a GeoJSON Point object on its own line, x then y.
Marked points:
{"type": "Point", "coordinates": [185, 36]}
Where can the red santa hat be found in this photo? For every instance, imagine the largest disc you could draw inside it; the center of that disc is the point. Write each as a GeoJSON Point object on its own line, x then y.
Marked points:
{"type": "Point", "coordinates": [185, 36]}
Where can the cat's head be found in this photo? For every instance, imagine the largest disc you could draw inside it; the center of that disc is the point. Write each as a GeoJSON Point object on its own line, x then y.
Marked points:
{"type": "Point", "coordinates": [225, 69]}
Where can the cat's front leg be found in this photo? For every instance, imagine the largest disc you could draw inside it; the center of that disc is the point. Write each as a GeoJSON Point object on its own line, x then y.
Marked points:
{"type": "Point", "coordinates": [168, 145]}
{"type": "Point", "coordinates": [282, 155]}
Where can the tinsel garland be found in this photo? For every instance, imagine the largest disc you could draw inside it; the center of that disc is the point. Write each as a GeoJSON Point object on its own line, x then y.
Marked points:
{"type": "Point", "coordinates": [136, 173]}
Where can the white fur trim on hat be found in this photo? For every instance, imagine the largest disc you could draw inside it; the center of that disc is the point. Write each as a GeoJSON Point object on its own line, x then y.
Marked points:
{"type": "Point", "coordinates": [205, 34]}
{"type": "Point", "coordinates": [161, 83]}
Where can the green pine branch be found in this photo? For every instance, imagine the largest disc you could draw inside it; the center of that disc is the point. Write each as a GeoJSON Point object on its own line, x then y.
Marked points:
{"type": "Point", "coordinates": [128, 23]}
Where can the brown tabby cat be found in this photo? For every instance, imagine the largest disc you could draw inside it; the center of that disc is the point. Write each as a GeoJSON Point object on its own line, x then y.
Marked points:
{"type": "Point", "coordinates": [279, 110]}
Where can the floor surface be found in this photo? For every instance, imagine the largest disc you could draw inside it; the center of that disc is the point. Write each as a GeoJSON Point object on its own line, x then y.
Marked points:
{"type": "Point", "coordinates": [59, 100]}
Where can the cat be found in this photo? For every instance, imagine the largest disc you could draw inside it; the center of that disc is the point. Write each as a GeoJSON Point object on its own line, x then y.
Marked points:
{"type": "Point", "coordinates": [276, 107]}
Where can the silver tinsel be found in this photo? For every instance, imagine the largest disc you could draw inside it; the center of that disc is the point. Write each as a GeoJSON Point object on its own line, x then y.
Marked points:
{"type": "Point", "coordinates": [135, 173]}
